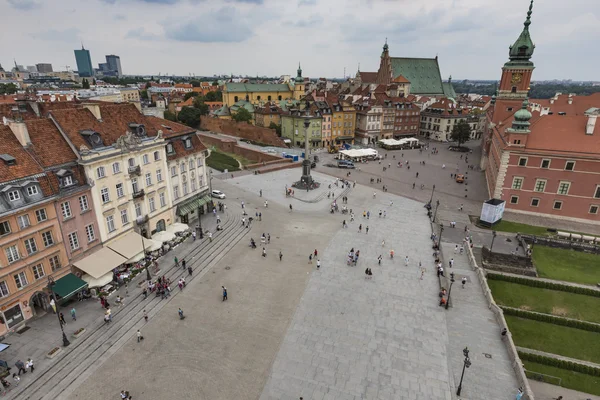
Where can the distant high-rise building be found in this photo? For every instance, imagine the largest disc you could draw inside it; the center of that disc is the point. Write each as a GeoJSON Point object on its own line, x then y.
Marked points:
{"type": "Point", "coordinates": [84, 62]}
{"type": "Point", "coordinates": [114, 64]}
{"type": "Point", "coordinates": [44, 67]}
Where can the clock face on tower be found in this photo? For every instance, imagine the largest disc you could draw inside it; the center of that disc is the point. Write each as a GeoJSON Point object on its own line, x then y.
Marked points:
{"type": "Point", "coordinates": [517, 77]}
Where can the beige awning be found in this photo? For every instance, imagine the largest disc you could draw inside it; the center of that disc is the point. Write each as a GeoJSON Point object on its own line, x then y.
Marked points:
{"type": "Point", "coordinates": [98, 282]}
{"type": "Point", "coordinates": [100, 262]}
{"type": "Point", "coordinates": [129, 245]}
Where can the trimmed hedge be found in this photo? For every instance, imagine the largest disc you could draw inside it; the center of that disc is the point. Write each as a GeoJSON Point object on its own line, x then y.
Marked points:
{"type": "Point", "coordinates": [563, 364]}
{"type": "Point", "coordinates": [552, 319]}
{"type": "Point", "coordinates": [543, 284]}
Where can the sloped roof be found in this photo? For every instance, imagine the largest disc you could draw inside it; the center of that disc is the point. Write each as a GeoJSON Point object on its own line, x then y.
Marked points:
{"type": "Point", "coordinates": [169, 128]}
{"type": "Point", "coordinates": [25, 164]}
{"type": "Point", "coordinates": [448, 89]}
{"type": "Point", "coordinates": [400, 79]}
{"type": "Point", "coordinates": [257, 87]}
{"type": "Point", "coordinates": [423, 74]}
{"type": "Point", "coordinates": [368, 77]}
{"type": "Point", "coordinates": [181, 151]}
{"type": "Point", "coordinates": [48, 144]}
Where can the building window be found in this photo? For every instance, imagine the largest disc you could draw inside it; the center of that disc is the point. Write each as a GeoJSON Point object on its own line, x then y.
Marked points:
{"type": "Point", "coordinates": [4, 289]}
{"type": "Point", "coordinates": [158, 175]}
{"type": "Point", "coordinates": [191, 165]}
{"type": "Point", "coordinates": [30, 246]}
{"type": "Point", "coordinates": [540, 185]}
{"type": "Point", "coordinates": [32, 190]}
{"type": "Point", "coordinates": [170, 148]}
{"type": "Point", "coordinates": [104, 195]}
{"type": "Point", "coordinates": [14, 195]}
{"type": "Point", "coordinates": [593, 209]}
{"type": "Point", "coordinates": [73, 241]}
{"type": "Point", "coordinates": [517, 182]}
{"type": "Point", "coordinates": [131, 162]}
{"type": "Point", "coordinates": [120, 191]}
{"type": "Point", "coordinates": [145, 159]}
{"type": "Point", "coordinates": [138, 210]}
{"type": "Point", "coordinates": [193, 184]}
{"type": "Point", "coordinates": [89, 232]}
{"type": "Point", "coordinates": [514, 199]}
{"type": "Point", "coordinates": [185, 188]}
{"type": "Point", "coordinates": [182, 167]}
{"type": "Point", "coordinates": [67, 181]}
{"type": "Point", "coordinates": [156, 155]}
{"type": "Point", "coordinates": [545, 163]}
{"type": "Point", "coordinates": [148, 179]}
{"type": "Point", "coordinates": [161, 198]}
{"type": "Point", "coordinates": [176, 191]}
{"type": "Point", "coordinates": [100, 172]}
{"type": "Point", "coordinates": [110, 223]}
{"type": "Point", "coordinates": [173, 171]}
{"type": "Point", "coordinates": [124, 217]}
{"type": "Point", "coordinates": [4, 228]}
{"type": "Point", "coordinates": [116, 168]}
{"type": "Point", "coordinates": [563, 188]}
{"type": "Point", "coordinates": [83, 203]}
{"type": "Point", "coordinates": [66, 209]}
{"type": "Point", "coordinates": [151, 204]}
{"type": "Point", "coordinates": [47, 238]}
{"type": "Point", "coordinates": [557, 205]}
{"type": "Point", "coordinates": [23, 221]}
{"type": "Point", "coordinates": [535, 202]}
{"type": "Point", "coordinates": [38, 271]}
{"type": "Point", "coordinates": [522, 161]}
{"type": "Point", "coordinates": [21, 280]}
{"type": "Point", "coordinates": [188, 143]}
{"type": "Point", "coordinates": [54, 263]}
{"type": "Point", "coordinates": [40, 215]}
{"type": "Point", "coordinates": [569, 165]}
{"type": "Point", "coordinates": [12, 254]}
{"type": "Point", "coordinates": [134, 185]}
{"type": "Point", "coordinates": [597, 192]}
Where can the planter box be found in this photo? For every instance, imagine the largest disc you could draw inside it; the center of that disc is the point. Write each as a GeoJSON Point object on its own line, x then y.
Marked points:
{"type": "Point", "coordinates": [53, 353]}
{"type": "Point", "coordinates": [80, 333]}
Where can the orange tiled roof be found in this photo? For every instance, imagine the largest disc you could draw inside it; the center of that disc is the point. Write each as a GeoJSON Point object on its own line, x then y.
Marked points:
{"type": "Point", "coordinates": [6, 110]}
{"type": "Point", "coordinates": [400, 79]}
{"type": "Point", "coordinates": [368, 77]}
{"type": "Point", "coordinates": [181, 151]}
{"type": "Point", "coordinates": [163, 125]}
{"type": "Point", "coordinates": [25, 164]}
{"type": "Point", "coordinates": [48, 144]}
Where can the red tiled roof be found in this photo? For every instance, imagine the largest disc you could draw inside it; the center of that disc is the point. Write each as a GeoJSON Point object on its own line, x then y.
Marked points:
{"type": "Point", "coordinates": [562, 133]}
{"type": "Point", "coordinates": [48, 144]}
{"type": "Point", "coordinates": [162, 124]}
{"type": "Point", "coordinates": [6, 110]}
{"type": "Point", "coordinates": [25, 164]}
{"type": "Point", "coordinates": [368, 77]}
{"type": "Point", "coordinates": [400, 79]}
{"type": "Point", "coordinates": [183, 85]}
{"type": "Point", "coordinates": [181, 151]}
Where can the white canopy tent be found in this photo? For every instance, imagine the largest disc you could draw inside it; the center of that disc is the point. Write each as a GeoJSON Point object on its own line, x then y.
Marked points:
{"type": "Point", "coordinates": [99, 282]}
{"type": "Point", "coordinates": [164, 236]}
{"type": "Point", "coordinates": [177, 227]}
{"type": "Point", "coordinates": [359, 153]}
{"type": "Point", "coordinates": [101, 262]}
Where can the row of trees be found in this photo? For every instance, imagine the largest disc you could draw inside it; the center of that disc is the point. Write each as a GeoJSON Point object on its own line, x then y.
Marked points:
{"type": "Point", "coordinates": [537, 91]}
{"type": "Point", "coordinates": [8, 88]}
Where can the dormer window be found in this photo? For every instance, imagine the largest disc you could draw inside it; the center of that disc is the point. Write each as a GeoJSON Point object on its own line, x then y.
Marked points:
{"type": "Point", "coordinates": [32, 190]}
{"type": "Point", "coordinates": [188, 143]}
{"type": "Point", "coordinates": [14, 195]}
{"type": "Point", "coordinates": [8, 159]}
{"type": "Point", "coordinates": [66, 181]}
{"type": "Point", "coordinates": [92, 137]}
{"type": "Point", "coordinates": [138, 130]}
{"type": "Point", "coordinates": [170, 148]}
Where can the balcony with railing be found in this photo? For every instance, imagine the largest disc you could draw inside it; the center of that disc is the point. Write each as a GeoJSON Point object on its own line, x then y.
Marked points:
{"type": "Point", "coordinates": [136, 170]}
{"type": "Point", "coordinates": [137, 194]}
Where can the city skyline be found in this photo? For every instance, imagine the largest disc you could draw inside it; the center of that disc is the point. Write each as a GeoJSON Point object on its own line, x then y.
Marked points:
{"type": "Point", "coordinates": [265, 37]}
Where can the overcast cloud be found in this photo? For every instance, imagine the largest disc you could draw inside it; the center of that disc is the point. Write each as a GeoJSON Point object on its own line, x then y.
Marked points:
{"type": "Point", "coordinates": [270, 37]}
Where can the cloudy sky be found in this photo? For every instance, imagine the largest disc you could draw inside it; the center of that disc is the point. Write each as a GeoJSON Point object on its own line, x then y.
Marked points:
{"type": "Point", "coordinates": [269, 37]}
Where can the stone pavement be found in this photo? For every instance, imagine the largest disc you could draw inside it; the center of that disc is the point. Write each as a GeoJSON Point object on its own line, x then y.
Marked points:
{"type": "Point", "coordinates": [470, 323]}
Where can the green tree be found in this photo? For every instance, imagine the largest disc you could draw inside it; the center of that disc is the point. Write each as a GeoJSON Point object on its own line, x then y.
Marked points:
{"type": "Point", "coordinates": [242, 115]}
{"type": "Point", "coordinates": [214, 96]}
{"type": "Point", "coordinates": [215, 83]}
{"type": "Point", "coordinates": [199, 101]}
{"type": "Point", "coordinates": [8, 88]}
{"type": "Point", "coordinates": [85, 84]}
{"type": "Point", "coordinates": [144, 94]}
{"type": "Point", "coordinates": [94, 81]}
{"type": "Point", "coordinates": [204, 110]}
{"type": "Point", "coordinates": [190, 94]}
{"type": "Point", "coordinates": [170, 116]}
{"type": "Point", "coordinates": [195, 83]}
{"type": "Point", "coordinates": [461, 133]}
{"type": "Point", "coordinates": [277, 128]}
{"type": "Point", "coordinates": [190, 116]}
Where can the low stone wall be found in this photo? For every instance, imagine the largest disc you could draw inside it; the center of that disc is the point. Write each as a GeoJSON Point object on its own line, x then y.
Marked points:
{"type": "Point", "coordinates": [499, 315]}
{"type": "Point", "coordinates": [507, 263]}
{"type": "Point", "coordinates": [230, 146]}
{"type": "Point", "coordinates": [560, 243]}
{"type": "Point", "coordinates": [242, 130]}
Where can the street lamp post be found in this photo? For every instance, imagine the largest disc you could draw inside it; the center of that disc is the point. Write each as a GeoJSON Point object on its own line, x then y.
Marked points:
{"type": "Point", "coordinates": [437, 204]}
{"type": "Point", "coordinates": [450, 289]}
{"type": "Point", "coordinates": [51, 284]}
{"type": "Point", "coordinates": [148, 277]}
{"type": "Point", "coordinates": [431, 198]}
{"type": "Point", "coordinates": [441, 231]}
{"type": "Point", "coordinates": [493, 237]}
{"type": "Point", "coordinates": [466, 364]}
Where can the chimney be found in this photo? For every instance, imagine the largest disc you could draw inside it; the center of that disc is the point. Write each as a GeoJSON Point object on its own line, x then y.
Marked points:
{"type": "Point", "coordinates": [591, 124]}
{"type": "Point", "coordinates": [19, 129]}
{"type": "Point", "coordinates": [94, 109]}
{"type": "Point", "coordinates": [570, 100]}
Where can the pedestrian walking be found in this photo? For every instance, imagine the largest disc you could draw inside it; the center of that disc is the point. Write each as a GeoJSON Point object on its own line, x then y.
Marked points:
{"type": "Point", "coordinates": [280, 255]}
{"type": "Point", "coordinates": [29, 364]}
{"type": "Point", "coordinates": [379, 260]}
{"type": "Point", "coordinates": [209, 238]}
{"type": "Point", "coordinates": [266, 204]}
{"type": "Point", "coordinates": [218, 219]}
{"type": "Point", "coordinates": [17, 379]}
{"type": "Point", "coordinates": [264, 252]}
{"type": "Point", "coordinates": [384, 213]}
{"type": "Point", "coordinates": [139, 336]}
{"type": "Point", "coordinates": [383, 243]}
{"type": "Point", "coordinates": [451, 263]}
{"type": "Point", "coordinates": [318, 264]}
{"type": "Point", "coordinates": [176, 262]}
{"type": "Point", "coordinates": [463, 281]}
{"type": "Point", "coordinates": [455, 249]}
{"type": "Point", "coordinates": [310, 258]}
{"type": "Point", "coordinates": [406, 260]}
{"type": "Point", "coordinates": [380, 213]}
{"type": "Point", "coordinates": [368, 214]}
{"type": "Point", "coordinates": [315, 253]}
{"type": "Point", "coordinates": [260, 192]}
{"type": "Point", "coordinates": [391, 203]}
{"type": "Point", "coordinates": [20, 367]}
{"type": "Point", "coordinates": [243, 204]}
{"type": "Point", "coordinates": [367, 230]}
{"type": "Point", "coordinates": [224, 293]}
{"type": "Point", "coordinates": [344, 224]}
{"type": "Point", "coordinates": [61, 318]}
{"type": "Point", "coordinates": [290, 208]}
{"type": "Point", "coordinates": [73, 315]}
{"type": "Point", "coordinates": [268, 238]}
{"type": "Point", "coordinates": [145, 316]}
{"type": "Point", "coordinates": [360, 228]}
{"type": "Point", "coordinates": [461, 207]}
{"type": "Point", "coordinates": [194, 235]}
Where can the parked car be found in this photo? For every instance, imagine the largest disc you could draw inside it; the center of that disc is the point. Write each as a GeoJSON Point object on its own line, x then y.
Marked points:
{"type": "Point", "coordinates": [218, 194]}
{"type": "Point", "coordinates": [345, 164]}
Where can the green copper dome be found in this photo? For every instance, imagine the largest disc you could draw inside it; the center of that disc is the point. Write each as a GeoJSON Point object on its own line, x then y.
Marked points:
{"type": "Point", "coordinates": [299, 78]}
{"type": "Point", "coordinates": [523, 48]}
{"type": "Point", "coordinates": [522, 117]}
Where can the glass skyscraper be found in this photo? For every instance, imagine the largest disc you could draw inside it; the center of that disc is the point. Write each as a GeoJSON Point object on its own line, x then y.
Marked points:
{"type": "Point", "coordinates": [84, 62]}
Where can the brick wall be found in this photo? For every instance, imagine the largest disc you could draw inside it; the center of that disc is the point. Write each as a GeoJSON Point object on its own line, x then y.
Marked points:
{"type": "Point", "coordinates": [242, 130]}
{"type": "Point", "coordinates": [507, 263]}
{"type": "Point", "coordinates": [231, 146]}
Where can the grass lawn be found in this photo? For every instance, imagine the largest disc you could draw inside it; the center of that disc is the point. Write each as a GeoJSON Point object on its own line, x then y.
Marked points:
{"type": "Point", "coordinates": [567, 265]}
{"type": "Point", "coordinates": [562, 304]}
{"type": "Point", "coordinates": [222, 161]}
{"type": "Point", "coordinates": [507, 226]}
{"type": "Point", "coordinates": [556, 339]}
{"type": "Point", "coordinates": [570, 379]}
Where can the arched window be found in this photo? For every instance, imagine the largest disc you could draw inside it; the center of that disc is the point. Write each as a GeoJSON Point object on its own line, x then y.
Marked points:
{"type": "Point", "coordinates": [257, 97]}
{"type": "Point", "coordinates": [269, 98]}
{"type": "Point", "coordinates": [514, 89]}
{"type": "Point", "coordinates": [235, 99]}
{"type": "Point", "coordinates": [279, 97]}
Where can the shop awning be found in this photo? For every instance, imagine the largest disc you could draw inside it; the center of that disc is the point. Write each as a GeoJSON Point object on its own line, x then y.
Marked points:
{"type": "Point", "coordinates": [177, 227]}
{"type": "Point", "coordinates": [129, 245]}
{"type": "Point", "coordinates": [102, 281]}
{"type": "Point", "coordinates": [344, 138]}
{"type": "Point", "coordinates": [192, 205]}
{"type": "Point", "coordinates": [100, 262]}
{"type": "Point", "coordinates": [68, 285]}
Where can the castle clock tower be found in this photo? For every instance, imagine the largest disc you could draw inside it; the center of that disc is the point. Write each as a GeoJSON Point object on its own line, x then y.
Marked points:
{"type": "Point", "coordinates": [516, 73]}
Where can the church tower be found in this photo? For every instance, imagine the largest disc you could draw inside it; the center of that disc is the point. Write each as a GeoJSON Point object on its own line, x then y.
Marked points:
{"type": "Point", "coordinates": [384, 75]}
{"type": "Point", "coordinates": [516, 73]}
{"type": "Point", "coordinates": [299, 84]}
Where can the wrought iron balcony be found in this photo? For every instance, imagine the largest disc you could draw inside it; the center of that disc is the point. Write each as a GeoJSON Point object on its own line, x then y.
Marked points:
{"type": "Point", "coordinates": [135, 170]}
{"type": "Point", "coordinates": [138, 194]}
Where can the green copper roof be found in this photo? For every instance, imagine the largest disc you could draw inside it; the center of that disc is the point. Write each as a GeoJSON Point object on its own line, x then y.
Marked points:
{"type": "Point", "coordinates": [522, 117]}
{"type": "Point", "coordinates": [242, 104]}
{"type": "Point", "coordinates": [299, 78]}
{"type": "Point", "coordinates": [448, 90]}
{"type": "Point", "coordinates": [223, 111]}
{"type": "Point", "coordinates": [523, 48]}
{"type": "Point", "coordinates": [257, 87]}
{"type": "Point", "coordinates": [423, 74]}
